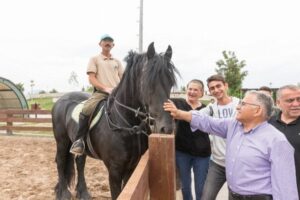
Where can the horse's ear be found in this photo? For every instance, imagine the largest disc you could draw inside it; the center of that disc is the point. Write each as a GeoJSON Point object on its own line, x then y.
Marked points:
{"type": "Point", "coordinates": [151, 51]}
{"type": "Point", "coordinates": [168, 53]}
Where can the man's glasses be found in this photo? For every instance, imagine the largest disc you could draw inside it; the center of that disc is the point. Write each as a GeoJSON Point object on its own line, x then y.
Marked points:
{"type": "Point", "coordinates": [243, 103]}
{"type": "Point", "coordinates": [292, 100]}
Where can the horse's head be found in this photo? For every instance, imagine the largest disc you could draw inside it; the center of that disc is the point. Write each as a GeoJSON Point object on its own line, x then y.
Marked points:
{"type": "Point", "coordinates": [145, 86]}
{"type": "Point", "coordinates": [157, 79]}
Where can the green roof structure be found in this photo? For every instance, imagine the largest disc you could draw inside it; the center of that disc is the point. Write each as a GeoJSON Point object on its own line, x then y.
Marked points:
{"type": "Point", "coordinates": [10, 96]}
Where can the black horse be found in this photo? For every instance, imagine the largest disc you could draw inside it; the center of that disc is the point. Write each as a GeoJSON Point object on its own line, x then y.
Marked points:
{"type": "Point", "coordinates": [120, 137]}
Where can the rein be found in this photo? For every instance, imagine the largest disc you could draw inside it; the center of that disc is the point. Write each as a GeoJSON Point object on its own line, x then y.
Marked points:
{"type": "Point", "coordinates": [138, 129]}
{"type": "Point", "coordinates": [136, 111]}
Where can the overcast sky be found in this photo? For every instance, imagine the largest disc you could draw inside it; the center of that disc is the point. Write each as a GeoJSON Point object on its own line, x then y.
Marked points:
{"type": "Point", "coordinates": [46, 40]}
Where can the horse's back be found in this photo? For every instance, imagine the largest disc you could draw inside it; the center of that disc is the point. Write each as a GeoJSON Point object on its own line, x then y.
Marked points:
{"type": "Point", "coordinates": [68, 101]}
{"type": "Point", "coordinates": [62, 110]}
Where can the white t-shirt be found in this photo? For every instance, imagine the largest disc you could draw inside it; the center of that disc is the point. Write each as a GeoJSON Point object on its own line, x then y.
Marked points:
{"type": "Point", "coordinates": [218, 144]}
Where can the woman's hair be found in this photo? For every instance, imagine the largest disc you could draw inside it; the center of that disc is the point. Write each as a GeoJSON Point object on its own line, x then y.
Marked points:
{"type": "Point", "coordinates": [197, 81]}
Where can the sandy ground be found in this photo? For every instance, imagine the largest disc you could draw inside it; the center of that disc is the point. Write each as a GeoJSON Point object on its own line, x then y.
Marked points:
{"type": "Point", "coordinates": [28, 170]}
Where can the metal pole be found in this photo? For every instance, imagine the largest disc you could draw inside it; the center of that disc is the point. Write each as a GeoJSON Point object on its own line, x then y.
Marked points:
{"type": "Point", "coordinates": [141, 27]}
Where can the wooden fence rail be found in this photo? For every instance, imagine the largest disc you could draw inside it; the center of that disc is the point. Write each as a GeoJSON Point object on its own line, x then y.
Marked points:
{"type": "Point", "coordinates": [137, 188]}
{"type": "Point", "coordinates": [25, 120]}
{"type": "Point", "coordinates": [154, 177]}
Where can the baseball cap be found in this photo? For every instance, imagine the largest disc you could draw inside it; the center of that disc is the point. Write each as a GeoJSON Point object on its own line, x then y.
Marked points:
{"type": "Point", "coordinates": [106, 37]}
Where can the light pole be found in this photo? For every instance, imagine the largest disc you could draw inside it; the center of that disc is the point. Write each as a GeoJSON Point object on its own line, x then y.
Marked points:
{"type": "Point", "coordinates": [31, 86]}
{"type": "Point", "coordinates": [141, 27]}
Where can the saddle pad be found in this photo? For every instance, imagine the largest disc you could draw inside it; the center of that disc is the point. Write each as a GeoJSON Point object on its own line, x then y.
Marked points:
{"type": "Point", "coordinates": [77, 110]}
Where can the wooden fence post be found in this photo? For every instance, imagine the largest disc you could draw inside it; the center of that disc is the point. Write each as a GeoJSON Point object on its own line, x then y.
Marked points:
{"type": "Point", "coordinates": [162, 167]}
{"type": "Point", "coordinates": [20, 120]}
{"type": "Point", "coordinates": [137, 187]}
{"type": "Point", "coordinates": [9, 124]}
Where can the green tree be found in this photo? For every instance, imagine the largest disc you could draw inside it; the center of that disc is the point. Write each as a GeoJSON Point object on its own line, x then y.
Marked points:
{"type": "Point", "coordinates": [42, 92]}
{"type": "Point", "coordinates": [183, 88]}
{"type": "Point", "coordinates": [73, 79]}
{"type": "Point", "coordinates": [53, 91]}
{"type": "Point", "coordinates": [20, 86]}
{"type": "Point", "coordinates": [232, 70]}
{"type": "Point", "coordinates": [89, 89]}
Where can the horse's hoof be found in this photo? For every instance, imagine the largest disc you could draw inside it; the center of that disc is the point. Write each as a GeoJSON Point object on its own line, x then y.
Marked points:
{"type": "Point", "coordinates": [83, 196]}
{"type": "Point", "coordinates": [64, 196]}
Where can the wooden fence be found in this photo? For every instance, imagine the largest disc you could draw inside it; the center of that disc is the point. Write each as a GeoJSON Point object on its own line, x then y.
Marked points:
{"type": "Point", "coordinates": [25, 120]}
{"type": "Point", "coordinates": [154, 177]}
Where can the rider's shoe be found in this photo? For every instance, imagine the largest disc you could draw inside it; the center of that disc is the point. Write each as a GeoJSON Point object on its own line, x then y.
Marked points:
{"type": "Point", "coordinates": [77, 147]}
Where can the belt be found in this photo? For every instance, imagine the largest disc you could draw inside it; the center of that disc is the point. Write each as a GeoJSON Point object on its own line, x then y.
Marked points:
{"type": "Point", "coordinates": [100, 91]}
{"type": "Point", "coordinates": [236, 196]}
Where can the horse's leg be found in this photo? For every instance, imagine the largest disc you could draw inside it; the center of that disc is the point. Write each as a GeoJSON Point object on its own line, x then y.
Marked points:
{"type": "Point", "coordinates": [115, 182]}
{"type": "Point", "coordinates": [81, 188]}
{"type": "Point", "coordinates": [127, 177]}
{"type": "Point", "coordinates": [65, 168]}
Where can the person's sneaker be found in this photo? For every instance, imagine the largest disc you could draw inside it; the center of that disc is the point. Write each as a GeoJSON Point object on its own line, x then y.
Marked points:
{"type": "Point", "coordinates": [77, 147]}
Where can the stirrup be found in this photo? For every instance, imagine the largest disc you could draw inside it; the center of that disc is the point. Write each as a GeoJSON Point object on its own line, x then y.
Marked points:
{"type": "Point", "coordinates": [77, 151]}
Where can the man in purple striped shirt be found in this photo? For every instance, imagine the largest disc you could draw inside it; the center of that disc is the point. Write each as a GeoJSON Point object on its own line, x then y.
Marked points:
{"type": "Point", "coordinates": [259, 159]}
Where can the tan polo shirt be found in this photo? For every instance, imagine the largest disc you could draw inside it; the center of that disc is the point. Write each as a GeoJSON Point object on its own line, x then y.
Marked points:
{"type": "Point", "coordinates": [108, 71]}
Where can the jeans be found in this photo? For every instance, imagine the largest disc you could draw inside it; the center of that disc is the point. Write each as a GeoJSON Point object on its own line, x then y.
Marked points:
{"type": "Point", "coordinates": [185, 163]}
{"type": "Point", "coordinates": [216, 177]}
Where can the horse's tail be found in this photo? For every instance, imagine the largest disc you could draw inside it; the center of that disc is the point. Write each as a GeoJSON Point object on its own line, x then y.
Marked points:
{"type": "Point", "coordinates": [70, 170]}
{"type": "Point", "coordinates": [64, 159]}
{"type": "Point", "coordinates": [65, 166]}
{"type": "Point", "coordinates": [66, 169]}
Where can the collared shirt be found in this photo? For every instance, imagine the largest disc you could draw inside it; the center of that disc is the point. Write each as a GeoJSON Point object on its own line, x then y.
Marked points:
{"type": "Point", "coordinates": [108, 70]}
{"type": "Point", "coordinates": [292, 133]}
{"type": "Point", "coordinates": [218, 144]}
{"type": "Point", "coordinates": [260, 161]}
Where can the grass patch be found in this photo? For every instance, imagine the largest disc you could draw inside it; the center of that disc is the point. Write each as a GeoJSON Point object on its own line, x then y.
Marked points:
{"type": "Point", "coordinates": [44, 103]}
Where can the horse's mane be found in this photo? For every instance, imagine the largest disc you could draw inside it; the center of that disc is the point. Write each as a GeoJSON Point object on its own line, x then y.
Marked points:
{"type": "Point", "coordinates": [155, 70]}
{"type": "Point", "coordinates": [160, 70]}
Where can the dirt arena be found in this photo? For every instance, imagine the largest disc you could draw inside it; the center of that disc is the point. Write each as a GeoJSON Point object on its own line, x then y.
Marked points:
{"type": "Point", "coordinates": [28, 170]}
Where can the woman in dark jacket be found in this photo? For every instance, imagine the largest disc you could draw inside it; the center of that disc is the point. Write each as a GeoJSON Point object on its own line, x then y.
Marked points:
{"type": "Point", "coordinates": [192, 148]}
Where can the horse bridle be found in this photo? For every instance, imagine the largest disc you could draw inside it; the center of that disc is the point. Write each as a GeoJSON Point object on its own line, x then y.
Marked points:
{"type": "Point", "coordinates": [136, 111]}
{"type": "Point", "coordinates": [136, 128]}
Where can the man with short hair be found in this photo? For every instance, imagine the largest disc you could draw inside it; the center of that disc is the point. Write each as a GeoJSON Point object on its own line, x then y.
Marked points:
{"type": "Point", "coordinates": [223, 107]}
{"type": "Point", "coordinates": [266, 90]}
{"type": "Point", "coordinates": [104, 73]}
{"type": "Point", "coordinates": [259, 159]}
{"type": "Point", "coordinates": [288, 120]}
